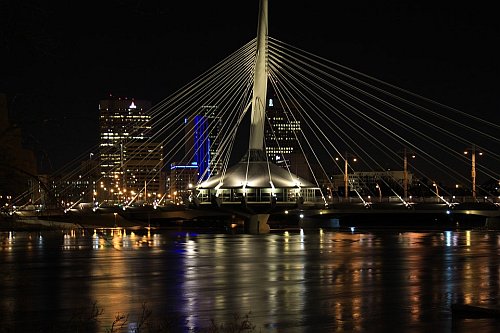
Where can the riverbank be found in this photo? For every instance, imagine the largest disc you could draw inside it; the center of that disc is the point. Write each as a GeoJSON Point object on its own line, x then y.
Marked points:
{"type": "Point", "coordinates": [34, 224]}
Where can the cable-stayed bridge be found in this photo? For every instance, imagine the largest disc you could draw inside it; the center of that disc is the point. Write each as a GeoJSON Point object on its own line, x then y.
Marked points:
{"type": "Point", "coordinates": [290, 131]}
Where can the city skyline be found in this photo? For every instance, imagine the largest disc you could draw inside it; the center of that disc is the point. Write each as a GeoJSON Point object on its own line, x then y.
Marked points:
{"type": "Point", "coordinates": [434, 52]}
{"type": "Point", "coordinates": [315, 216]}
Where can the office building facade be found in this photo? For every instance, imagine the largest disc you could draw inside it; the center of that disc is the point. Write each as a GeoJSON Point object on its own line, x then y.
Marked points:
{"type": "Point", "coordinates": [281, 131]}
{"type": "Point", "coordinates": [129, 160]}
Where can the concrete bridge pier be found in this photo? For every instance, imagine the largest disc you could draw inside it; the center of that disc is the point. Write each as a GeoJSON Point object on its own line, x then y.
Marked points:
{"type": "Point", "coordinates": [257, 224]}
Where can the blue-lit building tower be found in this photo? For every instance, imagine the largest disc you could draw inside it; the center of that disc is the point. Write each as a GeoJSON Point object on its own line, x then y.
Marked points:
{"type": "Point", "coordinates": [201, 146]}
{"type": "Point", "coordinates": [202, 141]}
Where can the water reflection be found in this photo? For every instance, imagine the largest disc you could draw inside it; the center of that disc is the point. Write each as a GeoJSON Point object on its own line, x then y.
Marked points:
{"type": "Point", "coordinates": [310, 280]}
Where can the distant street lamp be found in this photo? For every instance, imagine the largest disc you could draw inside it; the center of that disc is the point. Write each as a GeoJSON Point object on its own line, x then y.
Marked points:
{"type": "Point", "coordinates": [379, 192]}
{"type": "Point", "coordinates": [437, 188]}
{"type": "Point", "coordinates": [405, 172]}
{"type": "Point", "coordinates": [472, 150]}
{"type": "Point", "coordinates": [346, 173]}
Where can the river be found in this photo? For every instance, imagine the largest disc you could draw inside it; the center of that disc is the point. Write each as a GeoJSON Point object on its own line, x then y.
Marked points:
{"type": "Point", "coordinates": [302, 281]}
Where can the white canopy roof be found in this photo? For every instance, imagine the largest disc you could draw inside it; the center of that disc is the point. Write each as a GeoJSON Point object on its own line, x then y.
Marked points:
{"type": "Point", "coordinates": [256, 174]}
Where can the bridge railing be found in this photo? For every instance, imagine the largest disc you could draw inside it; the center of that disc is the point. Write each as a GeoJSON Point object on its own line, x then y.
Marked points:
{"type": "Point", "coordinates": [433, 199]}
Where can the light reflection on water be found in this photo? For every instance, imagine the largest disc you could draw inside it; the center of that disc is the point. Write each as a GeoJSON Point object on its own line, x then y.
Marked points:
{"type": "Point", "coordinates": [293, 281]}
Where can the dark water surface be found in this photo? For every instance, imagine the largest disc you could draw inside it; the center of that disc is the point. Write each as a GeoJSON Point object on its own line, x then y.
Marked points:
{"type": "Point", "coordinates": [310, 281]}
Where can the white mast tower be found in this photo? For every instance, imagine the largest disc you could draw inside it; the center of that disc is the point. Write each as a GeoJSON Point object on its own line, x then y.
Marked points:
{"type": "Point", "coordinates": [260, 184]}
{"type": "Point", "coordinates": [259, 86]}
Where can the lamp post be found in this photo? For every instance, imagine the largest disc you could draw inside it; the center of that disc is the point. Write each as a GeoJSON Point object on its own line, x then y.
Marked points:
{"type": "Point", "coordinates": [346, 172]}
{"type": "Point", "coordinates": [377, 186]}
{"type": "Point", "coordinates": [405, 172]}
{"type": "Point", "coordinates": [437, 188]}
{"type": "Point", "coordinates": [472, 151]}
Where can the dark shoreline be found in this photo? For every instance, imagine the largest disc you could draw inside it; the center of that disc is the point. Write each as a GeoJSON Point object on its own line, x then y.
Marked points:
{"type": "Point", "coordinates": [19, 226]}
{"type": "Point", "coordinates": [277, 223]}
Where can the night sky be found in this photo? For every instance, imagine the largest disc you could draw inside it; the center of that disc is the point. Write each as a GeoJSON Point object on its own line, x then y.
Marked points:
{"type": "Point", "coordinates": [59, 59]}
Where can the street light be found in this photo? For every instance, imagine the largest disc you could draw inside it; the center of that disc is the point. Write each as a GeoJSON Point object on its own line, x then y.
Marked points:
{"type": "Point", "coordinates": [472, 150]}
{"type": "Point", "coordinates": [437, 188]}
{"type": "Point", "coordinates": [346, 174]}
{"type": "Point", "coordinates": [379, 192]}
{"type": "Point", "coordinates": [405, 172]}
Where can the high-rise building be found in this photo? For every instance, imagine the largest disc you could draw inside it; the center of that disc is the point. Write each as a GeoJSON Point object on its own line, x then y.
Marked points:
{"type": "Point", "coordinates": [203, 140]}
{"type": "Point", "coordinates": [281, 130]}
{"type": "Point", "coordinates": [129, 159]}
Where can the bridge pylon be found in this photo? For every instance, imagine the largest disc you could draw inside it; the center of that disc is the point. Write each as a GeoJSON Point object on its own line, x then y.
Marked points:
{"type": "Point", "coordinates": [255, 181]}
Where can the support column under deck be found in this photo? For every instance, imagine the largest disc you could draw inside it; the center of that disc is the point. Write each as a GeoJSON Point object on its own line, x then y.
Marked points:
{"type": "Point", "coordinates": [256, 224]}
